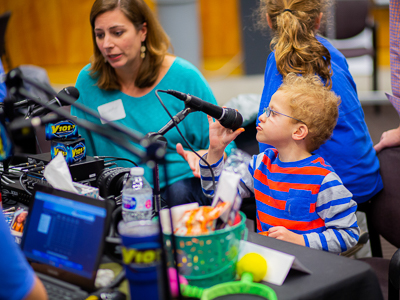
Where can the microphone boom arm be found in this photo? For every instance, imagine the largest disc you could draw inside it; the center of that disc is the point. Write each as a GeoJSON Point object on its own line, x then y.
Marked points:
{"type": "Point", "coordinates": [13, 76]}
{"type": "Point", "coordinates": [177, 118]}
{"type": "Point", "coordinates": [85, 124]}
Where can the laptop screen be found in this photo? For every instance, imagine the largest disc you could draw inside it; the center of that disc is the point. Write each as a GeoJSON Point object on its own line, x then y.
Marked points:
{"type": "Point", "coordinates": [65, 232]}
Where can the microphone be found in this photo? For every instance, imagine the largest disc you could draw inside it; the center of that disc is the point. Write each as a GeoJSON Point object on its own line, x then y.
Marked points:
{"type": "Point", "coordinates": [18, 104]}
{"type": "Point", "coordinates": [228, 117]}
{"type": "Point", "coordinates": [70, 91]}
{"type": "Point", "coordinates": [23, 103]}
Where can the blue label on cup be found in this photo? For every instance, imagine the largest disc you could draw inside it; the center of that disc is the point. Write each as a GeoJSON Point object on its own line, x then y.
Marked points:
{"type": "Point", "coordinates": [141, 255]}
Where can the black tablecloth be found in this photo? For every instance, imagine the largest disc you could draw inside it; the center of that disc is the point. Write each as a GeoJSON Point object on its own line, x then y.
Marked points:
{"type": "Point", "coordinates": [333, 277]}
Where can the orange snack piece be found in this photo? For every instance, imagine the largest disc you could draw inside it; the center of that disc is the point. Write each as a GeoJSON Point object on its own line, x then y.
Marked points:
{"type": "Point", "coordinates": [200, 220]}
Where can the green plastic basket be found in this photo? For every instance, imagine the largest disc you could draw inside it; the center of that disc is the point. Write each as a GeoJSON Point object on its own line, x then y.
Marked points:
{"type": "Point", "coordinates": [209, 259]}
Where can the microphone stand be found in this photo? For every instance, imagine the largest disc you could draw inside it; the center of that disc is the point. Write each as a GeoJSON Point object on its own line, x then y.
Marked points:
{"type": "Point", "coordinates": [159, 137]}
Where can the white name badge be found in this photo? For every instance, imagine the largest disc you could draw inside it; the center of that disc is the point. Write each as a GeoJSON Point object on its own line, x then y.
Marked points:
{"type": "Point", "coordinates": [112, 111]}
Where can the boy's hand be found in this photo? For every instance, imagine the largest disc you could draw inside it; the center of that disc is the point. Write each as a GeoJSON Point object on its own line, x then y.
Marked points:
{"type": "Point", "coordinates": [191, 158]}
{"type": "Point", "coordinates": [220, 137]}
{"type": "Point", "coordinates": [281, 233]}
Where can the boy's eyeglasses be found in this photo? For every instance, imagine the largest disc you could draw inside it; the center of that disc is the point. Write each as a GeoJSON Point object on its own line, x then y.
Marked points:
{"type": "Point", "coordinates": [268, 110]}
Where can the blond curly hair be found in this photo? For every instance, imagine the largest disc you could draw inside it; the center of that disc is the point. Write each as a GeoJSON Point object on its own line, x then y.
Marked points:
{"type": "Point", "coordinates": [313, 103]}
{"type": "Point", "coordinates": [296, 47]}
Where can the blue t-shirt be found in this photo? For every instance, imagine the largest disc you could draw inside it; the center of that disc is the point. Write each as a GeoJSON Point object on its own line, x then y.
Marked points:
{"type": "Point", "coordinates": [17, 276]}
{"type": "Point", "coordinates": [145, 114]}
{"type": "Point", "coordinates": [3, 89]}
{"type": "Point", "coordinates": [350, 149]}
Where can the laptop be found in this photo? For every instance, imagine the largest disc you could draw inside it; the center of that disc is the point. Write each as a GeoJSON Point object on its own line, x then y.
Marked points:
{"type": "Point", "coordinates": [63, 240]}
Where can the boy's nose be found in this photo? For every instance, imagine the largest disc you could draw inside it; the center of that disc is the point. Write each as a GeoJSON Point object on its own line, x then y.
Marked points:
{"type": "Point", "coordinates": [262, 117]}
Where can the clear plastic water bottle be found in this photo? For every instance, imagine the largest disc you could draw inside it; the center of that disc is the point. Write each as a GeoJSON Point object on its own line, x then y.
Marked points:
{"type": "Point", "coordinates": [137, 197]}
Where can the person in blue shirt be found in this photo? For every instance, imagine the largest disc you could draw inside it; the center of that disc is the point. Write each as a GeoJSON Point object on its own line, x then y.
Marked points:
{"type": "Point", "coordinates": [3, 89]}
{"type": "Point", "coordinates": [297, 48]}
{"type": "Point", "coordinates": [18, 280]}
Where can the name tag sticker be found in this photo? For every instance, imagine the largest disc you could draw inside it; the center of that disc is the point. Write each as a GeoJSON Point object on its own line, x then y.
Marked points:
{"type": "Point", "coordinates": [112, 111]}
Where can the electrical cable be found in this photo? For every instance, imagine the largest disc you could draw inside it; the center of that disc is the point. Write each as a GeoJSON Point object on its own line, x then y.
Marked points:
{"type": "Point", "coordinates": [7, 179]}
{"type": "Point", "coordinates": [109, 164]}
{"type": "Point", "coordinates": [187, 143]}
{"type": "Point", "coordinates": [116, 158]}
{"type": "Point", "coordinates": [23, 185]}
{"type": "Point", "coordinates": [3, 181]}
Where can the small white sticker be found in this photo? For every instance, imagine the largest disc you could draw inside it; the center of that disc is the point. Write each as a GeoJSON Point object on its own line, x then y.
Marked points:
{"type": "Point", "coordinates": [112, 111]}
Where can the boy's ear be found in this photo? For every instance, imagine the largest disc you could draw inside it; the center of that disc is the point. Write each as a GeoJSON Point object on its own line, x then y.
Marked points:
{"type": "Point", "coordinates": [269, 21]}
{"type": "Point", "coordinates": [318, 21]}
{"type": "Point", "coordinates": [301, 132]}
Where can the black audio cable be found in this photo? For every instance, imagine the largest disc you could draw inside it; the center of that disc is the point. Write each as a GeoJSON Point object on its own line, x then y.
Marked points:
{"type": "Point", "coordinates": [109, 164]}
{"type": "Point", "coordinates": [27, 164]}
{"type": "Point", "coordinates": [23, 184]}
{"type": "Point", "coordinates": [37, 169]}
{"type": "Point", "coordinates": [32, 167]}
{"type": "Point", "coordinates": [116, 158]}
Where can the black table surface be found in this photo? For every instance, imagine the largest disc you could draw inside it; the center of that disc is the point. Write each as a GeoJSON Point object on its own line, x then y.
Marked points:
{"type": "Point", "coordinates": [333, 277]}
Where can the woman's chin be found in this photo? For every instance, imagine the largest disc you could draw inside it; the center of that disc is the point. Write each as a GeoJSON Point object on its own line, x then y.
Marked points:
{"type": "Point", "coordinates": [117, 64]}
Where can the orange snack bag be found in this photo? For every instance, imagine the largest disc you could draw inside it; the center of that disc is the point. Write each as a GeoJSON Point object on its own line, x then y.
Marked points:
{"type": "Point", "coordinates": [200, 220]}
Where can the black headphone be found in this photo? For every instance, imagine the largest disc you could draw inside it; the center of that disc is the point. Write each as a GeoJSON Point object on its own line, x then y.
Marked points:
{"type": "Point", "coordinates": [111, 181]}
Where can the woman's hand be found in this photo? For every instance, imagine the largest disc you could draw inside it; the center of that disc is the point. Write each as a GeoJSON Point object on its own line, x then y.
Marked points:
{"type": "Point", "coordinates": [191, 158]}
{"type": "Point", "coordinates": [390, 138]}
{"type": "Point", "coordinates": [281, 233]}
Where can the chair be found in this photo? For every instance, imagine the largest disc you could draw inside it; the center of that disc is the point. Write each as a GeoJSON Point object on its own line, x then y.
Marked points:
{"type": "Point", "coordinates": [3, 27]}
{"type": "Point", "coordinates": [383, 218]}
{"type": "Point", "coordinates": [354, 32]}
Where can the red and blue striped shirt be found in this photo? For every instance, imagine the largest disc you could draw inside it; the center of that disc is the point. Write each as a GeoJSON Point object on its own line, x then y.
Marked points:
{"type": "Point", "coordinates": [306, 197]}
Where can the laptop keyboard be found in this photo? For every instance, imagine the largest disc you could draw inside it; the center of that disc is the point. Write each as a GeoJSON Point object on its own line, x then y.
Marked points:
{"type": "Point", "coordinates": [59, 293]}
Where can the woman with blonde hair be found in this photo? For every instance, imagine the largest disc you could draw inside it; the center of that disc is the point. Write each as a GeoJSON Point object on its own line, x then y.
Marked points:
{"type": "Point", "coordinates": [296, 47]}
{"type": "Point", "coordinates": [130, 62]}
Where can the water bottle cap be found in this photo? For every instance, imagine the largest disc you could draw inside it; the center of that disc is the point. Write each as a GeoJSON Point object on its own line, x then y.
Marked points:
{"type": "Point", "coordinates": [137, 171]}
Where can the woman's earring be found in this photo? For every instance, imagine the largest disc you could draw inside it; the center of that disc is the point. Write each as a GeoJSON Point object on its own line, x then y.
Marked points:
{"type": "Point", "coordinates": [143, 51]}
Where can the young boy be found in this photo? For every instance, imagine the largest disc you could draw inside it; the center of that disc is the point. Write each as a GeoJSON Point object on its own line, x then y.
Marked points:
{"type": "Point", "coordinates": [299, 197]}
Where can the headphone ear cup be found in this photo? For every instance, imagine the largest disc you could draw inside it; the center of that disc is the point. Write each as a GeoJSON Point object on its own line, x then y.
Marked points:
{"type": "Point", "coordinates": [109, 183]}
{"type": "Point", "coordinates": [112, 188]}
{"type": "Point", "coordinates": [118, 183]}
{"type": "Point", "coordinates": [101, 181]}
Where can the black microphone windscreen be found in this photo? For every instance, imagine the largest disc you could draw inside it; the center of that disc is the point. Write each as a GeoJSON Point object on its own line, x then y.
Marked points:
{"type": "Point", "coordinates": [70, 91]}
{"type": "Point", "coordinates": [232, 119]}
